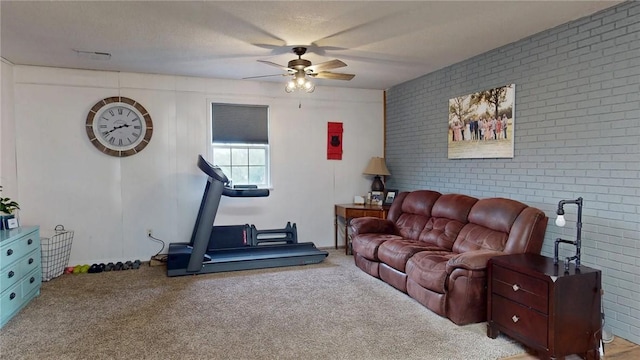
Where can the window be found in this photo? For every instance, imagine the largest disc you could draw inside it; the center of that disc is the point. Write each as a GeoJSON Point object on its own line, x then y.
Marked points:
{"type": "Point", "coordinates": [240, 142]}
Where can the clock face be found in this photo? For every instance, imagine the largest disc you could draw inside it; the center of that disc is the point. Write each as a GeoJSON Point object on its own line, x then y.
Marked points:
{"type": "Point", "coordinates": [119, 126]}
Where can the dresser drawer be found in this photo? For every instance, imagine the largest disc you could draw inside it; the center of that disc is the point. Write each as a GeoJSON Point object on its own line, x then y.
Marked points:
{"type": "Point", "coordinates": [14, 250]}
{"type": "Point", "coordinates": [520, 288]}
{"type": "Point", "coordinates": [15, 271]}
{"type": "Point", "coordinates": [31, 282]}
{"type": "Point", "coordinates": [10, 300]}
{"type": "Point", "coordinates": [10, 275]}
{"type": "Point", "coordinates": [520, 320]}
{"type": "Point", "coordinates": [364, 213]}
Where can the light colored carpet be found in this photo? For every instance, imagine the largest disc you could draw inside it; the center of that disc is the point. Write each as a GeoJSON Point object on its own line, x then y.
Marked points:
{"type": "Point", "coordinates": [330, 310]}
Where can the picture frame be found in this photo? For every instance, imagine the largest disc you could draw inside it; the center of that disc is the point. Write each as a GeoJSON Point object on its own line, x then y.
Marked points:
{"type": "Point", "coordinates": [12, 223]}
{"type": "Point", "coordinates": [481, 125]}
{"type": "Point", "coordinates": [389, 196]}
{"type": "Point", "coordinates": [377, 197]}
{"type": "Point", "coordinates": [5, 221]}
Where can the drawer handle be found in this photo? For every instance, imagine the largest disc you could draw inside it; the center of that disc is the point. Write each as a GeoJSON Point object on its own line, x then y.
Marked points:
{"type": "Point", "coordinates": [30, 261]}
{"type": "Point", "coordinates": [9, 252]}
{"type": "Point", "coordinates": [11, 273]}
{"type": "Point", "coordinates": [29, 242]}
{"type": "Point", "coordinates": [515, 319]}
{"type": "Point", "coordinates": [12, 296]}
{"type": "Point", "coordinates": [31, 280]}
{"type": "Point", "coordinates": [515, 287]}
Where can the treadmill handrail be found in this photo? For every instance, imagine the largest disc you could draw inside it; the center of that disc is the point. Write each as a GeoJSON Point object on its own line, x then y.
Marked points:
{"type": "Point", "coordinates": [227, 191]}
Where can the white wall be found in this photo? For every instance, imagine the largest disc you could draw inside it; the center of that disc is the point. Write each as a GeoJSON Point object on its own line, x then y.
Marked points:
{"type": "Point", "coordinates": [7, 129]}
{"type": "Point", "coordinates": [110, 202]}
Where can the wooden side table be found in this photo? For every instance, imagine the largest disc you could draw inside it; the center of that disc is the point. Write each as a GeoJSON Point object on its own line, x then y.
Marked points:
{"type": "Point", "coordinates": [553, 312]}
{"type": "Point", "coordinates": [351, 211]}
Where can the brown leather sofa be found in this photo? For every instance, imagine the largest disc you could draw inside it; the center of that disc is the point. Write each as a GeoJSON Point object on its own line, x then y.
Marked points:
{"type": "Point", "coordinates": [435, 247]}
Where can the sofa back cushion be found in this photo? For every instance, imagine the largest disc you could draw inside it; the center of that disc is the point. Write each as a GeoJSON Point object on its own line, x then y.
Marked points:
{"type": "Point", "coordinates": [415, 211]}
{"type": "Point", "coordinates": [448, 216]}
{"type": "Point", "coordinates": [527, 232]}
{"type": "Point", "coordinates": [490, 221]}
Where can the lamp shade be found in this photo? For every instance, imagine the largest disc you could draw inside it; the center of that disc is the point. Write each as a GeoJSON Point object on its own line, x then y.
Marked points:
{"type": "Point", "coordinates": [376, 166]}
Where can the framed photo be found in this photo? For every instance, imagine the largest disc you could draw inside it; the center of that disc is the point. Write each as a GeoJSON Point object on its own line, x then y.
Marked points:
{"type": "Point", "coordinates": [390, 196]}
{"type": "Point", "coordinates": [377, 197]}
{"type": "Point", "coordinates": [482, 124]}
{"type": "Point", "coordinates": [12, 223]}
{"type": "Point", "coordinates": [8, 222]}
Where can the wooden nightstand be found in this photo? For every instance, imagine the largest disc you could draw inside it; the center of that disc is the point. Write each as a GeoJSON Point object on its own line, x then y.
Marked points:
{"type": "Point", "coordinates": [351, 211]}
{"type": "Point", "coordinates": [535, 302]}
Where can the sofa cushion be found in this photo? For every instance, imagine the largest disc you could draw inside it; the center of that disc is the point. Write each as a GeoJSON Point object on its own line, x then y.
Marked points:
{"type": "Point", "coordinates": [367, 244]}
{"type": "Point", "coordinates": [476, 237]}
{"type": "Point", "coordinates": [453, 206]}
{"type": "Point", "coordinates": [448, 216]}
{"type": "Point", "coordinates": [490, 221]}
{"type": "Point", "coordinates": [416, 211]}
{"type": "Point", "coordinates": [395, 253]}
{"type": "Point", "coordinates": [429, 270]}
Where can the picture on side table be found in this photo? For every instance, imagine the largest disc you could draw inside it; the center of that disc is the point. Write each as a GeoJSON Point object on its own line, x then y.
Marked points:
{"type": "Point", "coordinates": [482, 124]}
{"type": "Point", "coordinates": [390, 196]}
{"type": "Point", "coordinates": [377, 197]}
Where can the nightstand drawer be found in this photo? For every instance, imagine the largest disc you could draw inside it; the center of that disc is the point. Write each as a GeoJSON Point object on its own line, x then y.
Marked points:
{"type": "Point", "coordinates": [520, 320]}
{"type": "Point", "coordinates": [520, 288]}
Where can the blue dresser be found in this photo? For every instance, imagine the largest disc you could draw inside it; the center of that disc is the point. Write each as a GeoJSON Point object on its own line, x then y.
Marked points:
{"type": "Point", "coordinates": [20, 270]}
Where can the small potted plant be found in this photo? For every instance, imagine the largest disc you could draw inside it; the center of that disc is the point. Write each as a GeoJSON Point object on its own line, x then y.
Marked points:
{"type": "Point", "coordinates": [7, 207]}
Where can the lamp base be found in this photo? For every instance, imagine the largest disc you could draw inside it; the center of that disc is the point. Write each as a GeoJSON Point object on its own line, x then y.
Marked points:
{"type": "Point", "coordinates": [377, 184]}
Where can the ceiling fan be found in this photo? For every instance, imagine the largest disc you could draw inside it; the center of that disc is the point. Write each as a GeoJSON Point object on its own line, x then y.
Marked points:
{"type": "Point", "coordinates": [300, 68]}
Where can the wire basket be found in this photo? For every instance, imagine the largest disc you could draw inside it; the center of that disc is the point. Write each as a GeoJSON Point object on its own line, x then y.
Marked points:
{"type": "Point", "coordinates": [56, 248]}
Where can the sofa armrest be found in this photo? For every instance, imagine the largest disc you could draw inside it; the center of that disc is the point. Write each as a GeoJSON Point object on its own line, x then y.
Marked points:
{"type": "Point", "coordinates": [368, 225]}
{"type": "Point", "coordinates": [472, 260]}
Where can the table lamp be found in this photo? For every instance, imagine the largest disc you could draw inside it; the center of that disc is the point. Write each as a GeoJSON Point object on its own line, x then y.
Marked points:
{"type": "Point", "coordinates": [560, 221]}
{"type": "Point", "coordinates": [378, 168]}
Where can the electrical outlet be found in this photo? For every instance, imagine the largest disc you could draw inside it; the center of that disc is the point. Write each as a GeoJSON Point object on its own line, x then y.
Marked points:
{"type": "Point", "coordinates": [149, 232]}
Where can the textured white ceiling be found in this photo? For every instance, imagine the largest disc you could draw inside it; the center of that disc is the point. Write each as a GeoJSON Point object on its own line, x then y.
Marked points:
{"type": "Point", "coordinates": [383, 42]}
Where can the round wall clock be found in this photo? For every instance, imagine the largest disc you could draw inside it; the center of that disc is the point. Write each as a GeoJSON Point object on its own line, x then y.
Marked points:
{"type": "Point", "coordinates": [119, 126]}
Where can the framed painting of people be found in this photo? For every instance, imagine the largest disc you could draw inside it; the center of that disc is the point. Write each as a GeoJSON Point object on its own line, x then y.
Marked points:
{"type": "Point", "coordinates": [482, 124]}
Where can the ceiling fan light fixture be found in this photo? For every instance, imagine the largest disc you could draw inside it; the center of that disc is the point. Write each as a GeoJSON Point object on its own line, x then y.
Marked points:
{"type": "Point", "coordinates": [299, 82]}
{"type": "Point", "coordinates": [309, 86]}
{"type": "Point", "coordinates": [290, 87]}
{"type": "Point", "coordinates": [301, 69]}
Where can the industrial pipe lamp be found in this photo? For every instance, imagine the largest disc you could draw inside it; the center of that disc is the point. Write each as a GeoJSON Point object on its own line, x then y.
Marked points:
{"type": "Point", "coordinates": [378, 168]}
{"type": "Point", "coordinates": [560, 221]}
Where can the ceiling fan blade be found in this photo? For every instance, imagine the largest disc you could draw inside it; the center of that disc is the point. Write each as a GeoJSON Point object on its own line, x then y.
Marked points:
{"type": "Point", "coordinates": [331, 64]}
{"type": "Point", "coordinates": [277, 65]}
{"type": "Point", "coordinates": [332, 76]}
{"type": "Point", "coordinates": [263, 76]}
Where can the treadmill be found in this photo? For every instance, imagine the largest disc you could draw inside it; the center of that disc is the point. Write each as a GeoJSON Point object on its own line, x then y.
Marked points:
{"type": "Point", "coordinates": [235, 247]}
